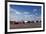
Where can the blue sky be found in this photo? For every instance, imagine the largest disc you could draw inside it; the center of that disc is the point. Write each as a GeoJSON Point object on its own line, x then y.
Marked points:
{"type": "Point", "coordinates": [25, 12]}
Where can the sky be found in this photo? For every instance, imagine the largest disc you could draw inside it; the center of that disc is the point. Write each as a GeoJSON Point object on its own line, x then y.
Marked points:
{"type": "Point", "coordinates": [25, 13]}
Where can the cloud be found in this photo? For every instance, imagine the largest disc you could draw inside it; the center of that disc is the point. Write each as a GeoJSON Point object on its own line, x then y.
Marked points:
{"type": "Point", "coordinates": [18, 12]}
{"type": "Point", "coordinates": [15, 15]}
{"type": "Point", "coordinates": [26, 18]}
{"type": "Point", "coordinates": [26, 12]}
{"type": "Point", "coordinates": [36, 13]}
{"type": "Point", "coordinates": [15, 11]}
{"type": "Point", "coordinates": [34, 10]}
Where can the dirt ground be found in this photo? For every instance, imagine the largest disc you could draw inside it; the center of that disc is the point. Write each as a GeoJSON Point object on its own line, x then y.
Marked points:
{"type": "Point", "coordinates": [27, 25]}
